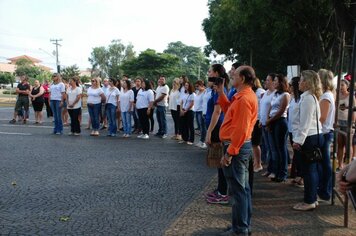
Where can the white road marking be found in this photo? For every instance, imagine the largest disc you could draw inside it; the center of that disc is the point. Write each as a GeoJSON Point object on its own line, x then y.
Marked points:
{"type": "Point", "coordinates": [28, 126]}
{"type": "Point", "coordinates": [25, 134]}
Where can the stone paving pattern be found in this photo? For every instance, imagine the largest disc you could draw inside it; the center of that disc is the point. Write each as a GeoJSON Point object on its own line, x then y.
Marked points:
{"type": "Point", "coordinates": [272, 214]}
{"type": "Point", "coordinates": [106, 186]}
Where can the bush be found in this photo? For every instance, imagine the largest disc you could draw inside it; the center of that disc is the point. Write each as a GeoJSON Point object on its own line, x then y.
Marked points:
{"type": "Point", "coordinates": [8, 91]}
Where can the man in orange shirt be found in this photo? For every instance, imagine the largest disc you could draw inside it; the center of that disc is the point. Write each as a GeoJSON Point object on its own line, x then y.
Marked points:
{"type": "Point", "coordinates": [236, 130]}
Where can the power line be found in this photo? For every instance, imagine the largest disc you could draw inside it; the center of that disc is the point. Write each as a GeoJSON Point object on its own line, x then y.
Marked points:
{"type": "Point", "coordinates": [55, 42]}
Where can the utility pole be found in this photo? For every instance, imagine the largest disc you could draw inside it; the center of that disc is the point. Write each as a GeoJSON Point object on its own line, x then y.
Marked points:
{"type": "Point", "coordinates": [55, 42]}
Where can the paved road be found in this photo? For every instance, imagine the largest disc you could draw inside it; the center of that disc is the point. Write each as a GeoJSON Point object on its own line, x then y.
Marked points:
{"type": "Point", "coordinates": [105, 186]}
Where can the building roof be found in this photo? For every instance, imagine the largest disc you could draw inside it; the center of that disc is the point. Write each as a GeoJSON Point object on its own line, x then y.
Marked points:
{"type": "Point", "coordinates": [5, 67]}
{"type": "Point", "coordinates": [32, 59]}
{"type": "Point", "coordinates": [46, 68]}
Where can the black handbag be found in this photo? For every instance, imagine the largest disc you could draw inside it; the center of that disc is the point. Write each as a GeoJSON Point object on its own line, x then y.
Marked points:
{"type": "Point", "coordinates": [313, 155]}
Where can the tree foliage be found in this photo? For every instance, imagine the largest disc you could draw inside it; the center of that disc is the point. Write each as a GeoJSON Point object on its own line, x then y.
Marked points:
{"type": "Point", "coordinates": [192, 61]}
{"type": "Point", "coordinates": [6, 78]}
{"type": "Point", "coordinates": [275, 33]}
{"type": "Point", "coordinates": [106, 61]}
{"type": "Point", "coordinates": [70, 71]}
{"type": "Point", "coordinates": [150, 64]}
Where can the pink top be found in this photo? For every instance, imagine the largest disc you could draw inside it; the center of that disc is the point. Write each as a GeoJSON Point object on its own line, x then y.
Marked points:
{"type": "Point", "coordinates": [46, 88]}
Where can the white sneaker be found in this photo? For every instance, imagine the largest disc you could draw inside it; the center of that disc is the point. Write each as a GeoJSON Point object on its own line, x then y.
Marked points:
{"type": "Point", "coordinates": [124, 135]}
{"type": "Point", "coordinates": [272, 175]}
{"type": "Point", "coordinates": [164, 136]}
{"type": "Point", "coordinates": [128, 136]}
{"type": "Point", "coordinates": [198, 144]}
{"type": "Point", "coordinates": [140, 136]}
{"type": "Point", "coordinates": [145, 136]}
{"type": "Point", "coordinates": [203, 146]}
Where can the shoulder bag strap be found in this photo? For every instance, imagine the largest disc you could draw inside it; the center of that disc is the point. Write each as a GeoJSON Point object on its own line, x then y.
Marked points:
{"type": "Point", "coordinates": [317, 120]}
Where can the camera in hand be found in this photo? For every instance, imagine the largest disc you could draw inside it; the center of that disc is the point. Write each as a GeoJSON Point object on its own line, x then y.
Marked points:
{"type": "Point", "coordinates": [216, 80]}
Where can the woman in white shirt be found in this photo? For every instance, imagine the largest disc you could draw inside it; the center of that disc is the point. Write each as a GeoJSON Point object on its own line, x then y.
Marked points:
{"type": "Point", "coordinates": [256, 138]}
{"type": "Point", "coordinates": [187, 114]}
{"type": "Point", "coordinates": [307, 135]}
{"type": "Point", "coordinates": [111, 106]}
{"type": "Point", "coordinates": [277, 123]}
{"type": "Point", "coordinates": [342, 121]}
{"type": "Point", "coordinates": [57, 95]}
{"type": "Point", "coordinates": [126, 107]}
{"type": "Point", "coordinates": [144, 103]}
{"type": "Point", "coordinates": [198, 108]}
{"type": "Point", "coordinates": [173, 101]}
{"type": "Point", "coordinates": [296, 171]}
{"type": "Point", "coordinates": [95, 96]}
{"type": "Point", "coordinates": [327, 117]}
{"type": "Point", "coordinates": [74, 105]}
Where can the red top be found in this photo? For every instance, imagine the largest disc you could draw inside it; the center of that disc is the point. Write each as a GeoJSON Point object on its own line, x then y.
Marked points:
{"type": "Point", "coordinates": [46, 89]}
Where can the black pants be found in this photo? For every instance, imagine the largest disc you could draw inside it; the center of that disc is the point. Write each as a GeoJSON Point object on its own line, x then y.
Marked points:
{"type": "Point", "coordinates": [144, 120]}
{"type": "Point", "coordinates": [74, 120]}
{"type": "Point", "coordinates": [137, 124]}
{"type": "Point", "coordinates": [48, 108]}
{"type": "Point", "coordinates": [175, 116]}
{"type": "Point", "coordinates": [188, 126]}
{"type": "Point", "coordinates": [152, 120]}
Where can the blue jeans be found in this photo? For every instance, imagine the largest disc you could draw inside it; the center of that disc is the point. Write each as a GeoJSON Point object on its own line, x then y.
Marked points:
{"type": "Point", "coordinates": [161, 119]}
{"type": "Point", "coordinates": [201, 123]}
{"type": "Point", "coordinates": [266, 157]}
{"type": "Point", "coordinates": [324, 169]}
{"type": "Point", "coordinates": [310, 170]}
{"type": "Point", "coordinates": [111, 116]}
{"type": "Point", "coordinates": [94, 111]}
{"type": "Point", "coordinates": [237, 177]}
{"type": "Point", "coordinates": [278, 141]}
{"type": "Point", "coordinates": [57, 116]}
{"type": "Point", "coordinates": [126, 121]}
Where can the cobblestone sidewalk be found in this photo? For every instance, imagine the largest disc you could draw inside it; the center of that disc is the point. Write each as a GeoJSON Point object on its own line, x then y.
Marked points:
{"type": "Point", "coordinates": [272, 214]}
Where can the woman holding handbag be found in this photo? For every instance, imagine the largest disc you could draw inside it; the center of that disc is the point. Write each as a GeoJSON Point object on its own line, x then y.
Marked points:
{"type": "Point", "coordinates": [307, 136]}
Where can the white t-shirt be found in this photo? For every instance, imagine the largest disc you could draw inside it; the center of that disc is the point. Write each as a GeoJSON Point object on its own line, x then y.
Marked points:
{"type": "Point", "coordinates": [187, 99]}
{"type": "Point", "coordinates": [144, 97]}
{"type": "Point", "coordinates": [94, 95]}
{"type": "Point", "coordinates": [57, 90]}
{"type": "Point", "coordinates": [259, 93]}
{"type": "Point", "coordinates": [125, 99]}
{"type": "Point", "coordinates": [181, 94]}
{"type": "Point", "coordinates": [206, 97]}
{"type": "Point", "coordinates": [329, 122]}
{"type": "Point", "coordinates": [265, 105]}
{"type": "Point", "coordinates": [276, 104]}
{"type": "Point", "coordinates": [291, 114]}
{"type": "Point", "coordinates": [111, 95]}
{"type": "Point", "coordinates": [162, 90]}
{"type": "Point", "coordinates": [173, 100]}
{"type": "Point", "coordinates": [198, 101]}
{"type": "Point", "coordinates": [72, 96]}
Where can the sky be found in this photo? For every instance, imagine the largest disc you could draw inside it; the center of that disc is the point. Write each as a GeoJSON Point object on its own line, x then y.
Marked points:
{"type": "Point", "coordinates": [26, 27]}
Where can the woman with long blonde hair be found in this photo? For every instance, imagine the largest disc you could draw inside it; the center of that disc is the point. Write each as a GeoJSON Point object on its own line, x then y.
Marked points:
{"type": "Point", "coordinates": [173, 102]}
{"type": "Point", "coordinates": [307, 135]}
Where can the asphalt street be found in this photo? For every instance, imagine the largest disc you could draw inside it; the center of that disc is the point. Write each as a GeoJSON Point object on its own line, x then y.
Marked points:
{"type": "Point", "coordinates": [66, 185]}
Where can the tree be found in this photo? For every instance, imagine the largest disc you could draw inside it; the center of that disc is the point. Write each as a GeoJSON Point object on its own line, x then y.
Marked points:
{"type": "Point", "coordinates": [6, 78]}
{"type": "Point", "coordinates": [193, 62]}
{"type": "Point", "coordinates": [150, 64]}
{"type": "Point", "coordinates": [106, 61]}
{"type": "Point", "coordinates": [272, 34]}
{"type": "Point", "coordinates": [70, 71]}
{"type": "Point", "coordinates": [29, 70]}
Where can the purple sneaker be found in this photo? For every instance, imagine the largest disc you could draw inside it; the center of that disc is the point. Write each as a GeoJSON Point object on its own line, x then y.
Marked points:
{"type": "Point", "coordinates": [220, 199]}
{"type": "Point", "coordinates": [212, 194]}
